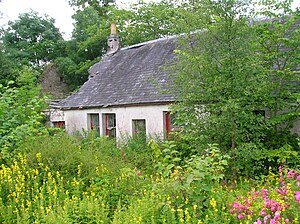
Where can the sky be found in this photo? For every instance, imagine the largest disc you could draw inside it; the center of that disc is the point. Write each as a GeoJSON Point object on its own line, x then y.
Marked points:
{"type": "Point", "coordinates": [57, 9]}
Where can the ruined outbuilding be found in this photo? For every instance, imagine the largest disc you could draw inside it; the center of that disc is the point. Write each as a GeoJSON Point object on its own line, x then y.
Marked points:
{"type": "Point", "coordinates": [52, 83]}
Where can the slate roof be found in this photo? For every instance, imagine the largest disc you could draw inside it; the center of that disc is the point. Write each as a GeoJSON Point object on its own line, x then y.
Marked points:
{"type": "Point", "coordinates": [136, 74]}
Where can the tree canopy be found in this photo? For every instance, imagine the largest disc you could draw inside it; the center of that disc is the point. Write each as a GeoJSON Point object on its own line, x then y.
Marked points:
{"type": "Point", "coordinates": [32, 40]}
{"type": "Point", "coordinates": [235, 78]}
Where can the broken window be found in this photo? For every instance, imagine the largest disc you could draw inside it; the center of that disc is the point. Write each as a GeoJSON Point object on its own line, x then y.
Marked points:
{"type": "Point", "coordinates": [93, 122]}
{"type": "Point", "coordinates": [139, 129]}
{"type": "Point", "coordinates": [109, 125]}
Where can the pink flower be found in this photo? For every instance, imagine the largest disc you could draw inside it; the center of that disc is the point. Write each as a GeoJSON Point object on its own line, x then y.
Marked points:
{"type": "Point", "coordinates": [265, 219]}
{"type": "Point", "coordinates": [281, 190]}
{"type": "Point", "coordinates": [286, 220]}
{"type": "Point", "coordinates": [298, 184]}
{"type": "Point", "coordinates": [297, 195]}
{"type": "Point", "coordinates": [235, 204]}
{"type": "Point", "coordinates": [277, 216]}
{"type": "Point", "coordinates": [240, 216]}
{"type": "Point", "coordinates": [258, 221]}
{"type": "Point", "coordinates": [292, 174]}
{"type": "Point", "coordinates": [298, 177]}
{"type": "Point", "coordinates": [262, 212]}
{"type": "Point", "coordinates": [138, 173]}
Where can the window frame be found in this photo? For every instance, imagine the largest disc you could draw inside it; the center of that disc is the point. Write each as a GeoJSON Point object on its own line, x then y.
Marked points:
{"type": "Point", "coordinates": [106, 125]}
{"type": "Point", "coordinates": [135, 129]}
{"type": "Point", "coordinates": [90, 119]}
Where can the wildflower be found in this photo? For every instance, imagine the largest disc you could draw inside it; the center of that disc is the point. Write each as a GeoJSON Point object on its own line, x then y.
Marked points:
{"type": "Point", "coordinates": [195, 207]}
{"type": "Point", "coordinates": [263, 212]}
{"type": "Point", "coordinates": [277, 215]}
{"type": "Point", "coordinates": [281, 190]}
{"type": "Point", "coordinates": [292, 174]}
{"type": "Point", "coordinates": [298, 177]}
{"type": "Point", "coordinates": [258, 221]}
{"type": "Point", "coordinates": [240, 216]}
{"type": "Point", "coordinates": [286, 220]}
{"type": "Point", "coordinates": [138, 173]}
{"type": "Point", "coordinates": [297, 195]}
{"type": "Point", "coordinates": [213, 203]}
{"type": "Point", "coordinates": [298, 183]}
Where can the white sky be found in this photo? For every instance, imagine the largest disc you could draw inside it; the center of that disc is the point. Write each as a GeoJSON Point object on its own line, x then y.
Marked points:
{"type": "Point", "coordinates": [57, 9]}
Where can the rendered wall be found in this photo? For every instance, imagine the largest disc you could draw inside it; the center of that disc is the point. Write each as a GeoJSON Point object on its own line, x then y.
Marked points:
{"type": "Point", "coordinates": [77, 120]}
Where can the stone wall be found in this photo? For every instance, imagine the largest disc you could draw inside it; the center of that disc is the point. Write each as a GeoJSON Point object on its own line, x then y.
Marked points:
{"type": "Point", "coordinates": [52, 83]}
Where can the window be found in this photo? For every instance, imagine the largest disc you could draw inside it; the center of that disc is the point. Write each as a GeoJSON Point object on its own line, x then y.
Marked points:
{"type": "Point", "coordinates": [93, 122]}
{"type": "Point", "coordinates": [169, 123]}
{"type": "Point", "coordinates": [139, 129]}
{"type": "Point", "coordinates": [109, 125]}
{"type": "Point", "coordinates": [59, 124]}
{"type": "Point", "coordinates": [260, 112]}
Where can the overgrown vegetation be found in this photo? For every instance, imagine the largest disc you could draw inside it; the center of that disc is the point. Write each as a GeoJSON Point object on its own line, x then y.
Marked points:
{"type": "Point", "coordinates": [229, 163]}
{"type": "Point", "coordinates": [58, 178]}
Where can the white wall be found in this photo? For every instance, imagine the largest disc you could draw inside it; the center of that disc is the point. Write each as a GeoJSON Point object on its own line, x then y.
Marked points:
{"type": "Point", "coordinates": [56, 115]}
{"type": "Point", "coordinates": [76, 120]}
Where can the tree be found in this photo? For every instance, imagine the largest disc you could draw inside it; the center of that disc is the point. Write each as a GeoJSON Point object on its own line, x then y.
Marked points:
{"type": "Point", "coordinates": [140, 23]}
{"type": "Point", "coordinates": [221, 83]}
{"type": "Point", "coordinates": [32, 40]}
{"type": "Point", "coordinates": [6, 68]}
{"type": "Point", "coordinates": [150, 21]}
{"type": "Point", "coordinates": [88, 43]}
{"type": "Point", "coordinates": [101, 6]}
{"type": "Point", "coordinates": [279, 44]}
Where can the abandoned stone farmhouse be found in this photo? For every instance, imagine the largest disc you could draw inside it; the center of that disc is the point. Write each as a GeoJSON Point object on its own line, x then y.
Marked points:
{"type": "Point", "coordinates": [124, 93]}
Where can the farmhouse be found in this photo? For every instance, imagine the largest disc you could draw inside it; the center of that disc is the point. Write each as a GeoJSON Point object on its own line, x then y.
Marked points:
{"type": "Point", "coordinates": [126, 92]}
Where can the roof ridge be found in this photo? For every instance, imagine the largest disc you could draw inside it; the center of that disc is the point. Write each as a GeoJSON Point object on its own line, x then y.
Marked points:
{"type": "Point", "coordinates": [149, 42]}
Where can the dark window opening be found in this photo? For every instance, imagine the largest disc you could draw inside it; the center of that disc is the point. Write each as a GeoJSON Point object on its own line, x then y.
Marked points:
{"type": "Point", "coordinates": [260, 112]}
{"type": "Point", "coordinates": [59, 124]}
{"type": "Point", "coordinates": [139, 129]}
{"type": "Point", "coordinates": [169, 123]}
{"type": "Point", "coordinates": [93, 121]}
{"type": "Point", "coordinates": [110, 125]}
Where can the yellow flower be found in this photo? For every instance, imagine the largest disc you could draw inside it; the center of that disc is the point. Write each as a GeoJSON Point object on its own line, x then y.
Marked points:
{"type": "Point", "coordinates": [195, 207]}
{"type": "Point", "coordinates": [213, 203]}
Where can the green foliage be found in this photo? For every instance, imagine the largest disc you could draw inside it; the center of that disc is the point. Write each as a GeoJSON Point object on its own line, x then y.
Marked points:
{"type": "Point", "coordinates": [166, 157]}
{"type": "Point", "coordinates": [221, 80]}
{"type": "Point", "coordinates": [99, 5]}
{"type": "Point", "coordinates": [231, 71]}
{"type": "Point", "coordinates": [65, 179]}
{"type": "Point", "coordinates": [75, 153]}
{"type": "Point", "coordinates": [6, 67]}
{"type": "Point", "coordinates": [19, 111]}
{"type": "Point", "coordinates": [203, 173]}
{"type": "Point", "coordinates": [142, 22]}
{"type": "Point", "coordinates": [279, 46]}
{"type": "Point", "coordinates": [32, 40]}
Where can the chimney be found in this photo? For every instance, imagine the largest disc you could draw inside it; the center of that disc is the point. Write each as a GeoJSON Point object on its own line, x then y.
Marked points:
{"type": "Point", "coordinates": [113, 41]}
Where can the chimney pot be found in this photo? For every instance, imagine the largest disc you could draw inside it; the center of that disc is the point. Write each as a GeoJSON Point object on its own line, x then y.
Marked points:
{"type": "Point", "coordinates": [113, 41]}
{"type": "Point", "coordinates": [113, 29]}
